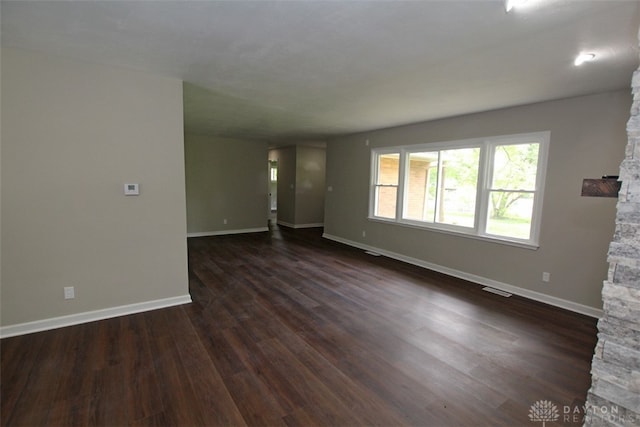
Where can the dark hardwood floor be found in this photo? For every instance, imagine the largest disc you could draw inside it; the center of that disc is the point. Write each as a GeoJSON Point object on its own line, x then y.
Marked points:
{"type": "Point", "coordinates": [287, 328]}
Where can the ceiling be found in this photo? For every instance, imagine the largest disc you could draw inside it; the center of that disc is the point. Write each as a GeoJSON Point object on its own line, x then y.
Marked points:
{"type": "Point", "coordinates": [310, 70]}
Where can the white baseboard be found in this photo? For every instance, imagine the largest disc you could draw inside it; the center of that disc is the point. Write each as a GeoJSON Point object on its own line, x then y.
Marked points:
{"type": "Point", "coordinates": [223, 232]}
{"type": "Point", "coordinates": [90, 316]}
{"type": "Point", "coordinates": [311, 225]}
{"type": "Point", "coordinates": [526, 293]}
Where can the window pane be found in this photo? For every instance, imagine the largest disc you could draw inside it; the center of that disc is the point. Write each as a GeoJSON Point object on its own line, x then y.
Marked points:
{"type": "Point", "coordinates": [388, 168]}
{"type": "Point", "coordinates": [386, 202]}
{"type": "Point", "coordinates": [457, 186]}
{"type": "Point", "coordinates": [515, 167]}
{"type": "Point", "coordinates": [422, 181]}
{"type": "Point", "coordinates": [432, 187]}
{"type": "Point", "coordinates": [510, 214]}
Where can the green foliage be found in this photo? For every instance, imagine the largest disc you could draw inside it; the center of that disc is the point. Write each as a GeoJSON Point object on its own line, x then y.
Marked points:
{"type": "Point", "coordinates": [514, 171]}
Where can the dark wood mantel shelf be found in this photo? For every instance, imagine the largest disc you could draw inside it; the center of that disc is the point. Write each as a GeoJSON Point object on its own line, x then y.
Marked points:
{"type": "Point", "coordinates": [608, 186]}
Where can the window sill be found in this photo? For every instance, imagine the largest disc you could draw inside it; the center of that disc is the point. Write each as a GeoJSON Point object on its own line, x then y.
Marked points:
{"type": "Point", "coordinates": [501, 241]}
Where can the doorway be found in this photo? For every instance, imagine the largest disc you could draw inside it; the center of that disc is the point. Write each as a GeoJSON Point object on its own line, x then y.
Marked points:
{"type": "Point", "coordinates": [273, 190]}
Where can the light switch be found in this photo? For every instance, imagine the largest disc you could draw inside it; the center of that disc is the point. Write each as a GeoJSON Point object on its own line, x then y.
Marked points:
{"type": "Point", "coordinates": [131, 189]}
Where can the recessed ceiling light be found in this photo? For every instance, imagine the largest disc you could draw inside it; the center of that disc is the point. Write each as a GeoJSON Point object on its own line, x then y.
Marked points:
{"type": "Point", "coordinates": [510, 4]}
{"type": "Point", "coordinates": [584, 57]}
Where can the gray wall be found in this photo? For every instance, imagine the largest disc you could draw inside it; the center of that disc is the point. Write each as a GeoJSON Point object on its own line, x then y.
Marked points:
{"type": "Point", "coordinates": [226, 179]}
{"type": "Point", "coordinates": [301, 185]}
{"type": "Point", "coordinates": [310, 185]}
{"type": "Point", "coordinates": [286, 158]}
{"type": "Point", "coordinates": [587, 141]}
{"type": "Point", "coordinates": [72, 134]}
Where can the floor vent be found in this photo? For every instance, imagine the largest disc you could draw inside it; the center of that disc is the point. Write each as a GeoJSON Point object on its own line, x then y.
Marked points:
{"type": "Point", "coordinates": [372, 253]}
{"type": "Point", "coordinates": [496, 291]}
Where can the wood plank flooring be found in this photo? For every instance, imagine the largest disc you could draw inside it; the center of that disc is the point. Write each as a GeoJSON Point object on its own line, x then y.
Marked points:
{"type": "Point", "coordinates": [287, 328]}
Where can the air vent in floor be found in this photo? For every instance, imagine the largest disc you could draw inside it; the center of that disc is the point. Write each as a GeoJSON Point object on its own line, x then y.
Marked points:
{"type": "Point", "coordinates": [496, 291]}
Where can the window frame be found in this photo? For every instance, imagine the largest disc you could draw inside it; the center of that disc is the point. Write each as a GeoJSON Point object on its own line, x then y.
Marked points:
{"type": "Point", "coordinates": [487, 147]}
{"type": "Point", "coordinates": [375, 168]}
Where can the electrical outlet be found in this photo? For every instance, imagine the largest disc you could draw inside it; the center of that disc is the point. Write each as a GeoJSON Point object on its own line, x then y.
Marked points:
{"type": "Point", "coordinates": [364, 233]}
{"type": "Point", "coordinates": [224, 221]}
{"type": "Point", "coordinates": [546, 277]}
{"type": "Point", "coordinates": [131, 190]}
{"type": "Point", "coordinates": [69, 292]}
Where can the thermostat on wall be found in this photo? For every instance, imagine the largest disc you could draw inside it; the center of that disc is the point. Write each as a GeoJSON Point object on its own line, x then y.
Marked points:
{"type": "Point", "coordinates": [131, 189]}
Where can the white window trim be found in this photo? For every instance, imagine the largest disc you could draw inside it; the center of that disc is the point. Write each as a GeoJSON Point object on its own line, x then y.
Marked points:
{"type": "Point", "coordinates": [487, 147]}
{"type": "Point", "coordinates": [373, 176]}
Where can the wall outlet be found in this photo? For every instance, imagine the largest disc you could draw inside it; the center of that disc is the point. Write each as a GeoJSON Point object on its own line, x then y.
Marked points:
{"type": "Point", "coordinates": [364, 233]}
{"type": "Point", "coordinates": [224, 221]}
{"type": "Point", "coordinates": [69, 292]}
{"type": "Point", "coordinates": [131, 189]}
{"type": "Point", "coordinates": [546, 277]}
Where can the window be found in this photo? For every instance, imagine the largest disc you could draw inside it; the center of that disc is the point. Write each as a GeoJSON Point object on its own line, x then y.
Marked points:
{"type": "Point", "coordinates": [489, 188]}
{"type": "Point", "coordinates": [386, 184]}
{"type": "Point", "coordinates": [512, 190]}
{"type": "Point", "coordinates": [442, 186]}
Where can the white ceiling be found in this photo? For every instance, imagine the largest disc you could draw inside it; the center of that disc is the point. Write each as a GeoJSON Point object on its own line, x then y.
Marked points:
{"type": "Point", "coordinates": [308, 70]}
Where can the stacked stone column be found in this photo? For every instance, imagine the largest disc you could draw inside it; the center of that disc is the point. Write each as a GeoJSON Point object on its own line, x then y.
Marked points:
{"type": "Point", "coordinates": [614, 397]}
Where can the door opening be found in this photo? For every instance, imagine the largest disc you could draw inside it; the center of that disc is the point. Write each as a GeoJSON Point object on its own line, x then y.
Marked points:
{"type": "Point", "coordinates": [273, 190]}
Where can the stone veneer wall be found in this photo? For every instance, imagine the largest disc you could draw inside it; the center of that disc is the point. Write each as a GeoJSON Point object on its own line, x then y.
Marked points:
{"type": "Point", "coordinates": [614, 397]}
